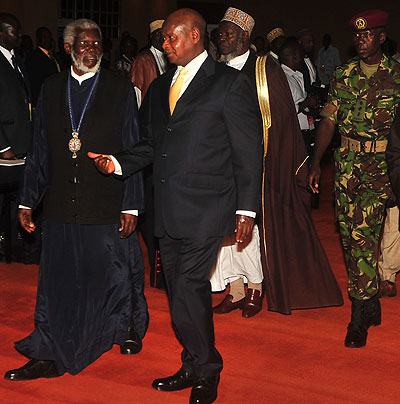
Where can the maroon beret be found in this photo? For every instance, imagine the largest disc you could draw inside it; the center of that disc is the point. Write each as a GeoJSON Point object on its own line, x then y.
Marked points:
{"type": "Point", "coordinates": [369, 19]}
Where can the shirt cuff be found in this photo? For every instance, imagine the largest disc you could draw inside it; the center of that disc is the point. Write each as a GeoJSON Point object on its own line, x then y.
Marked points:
{"type": "Point", "coordinates": [246, 213]}
{"type": "Point", "coordinates": [118, 168]}
{"type": "Point", "coordinates": [4, 150]}
{"type": "Point", "coordinates": [138, 94]}
{"type": "Point", "coordinates": [133, 212]}
{"type": "Point", "coordinates": [23, 207]}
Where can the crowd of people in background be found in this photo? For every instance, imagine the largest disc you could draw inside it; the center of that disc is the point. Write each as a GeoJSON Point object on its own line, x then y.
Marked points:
{"type": "Point", "coordinates": [209, 190]}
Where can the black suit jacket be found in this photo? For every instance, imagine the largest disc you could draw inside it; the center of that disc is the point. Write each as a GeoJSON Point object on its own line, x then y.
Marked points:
{"type": "Point", "coordinates": [307, 78]}
{"type": "Point", "coordinates": [207, 155]}
{"type": "Point", "coordinates": [15, 125]}
{"type": "Point", "coordinates": [39, 66]}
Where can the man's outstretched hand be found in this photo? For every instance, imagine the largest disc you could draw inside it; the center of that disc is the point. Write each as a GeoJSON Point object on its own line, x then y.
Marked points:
{"type": "Point", "coordinates": [102, 162]}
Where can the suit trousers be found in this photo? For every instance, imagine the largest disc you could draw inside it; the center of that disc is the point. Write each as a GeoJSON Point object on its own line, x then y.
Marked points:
{"type": "Point", "coordinates": [187, 264]}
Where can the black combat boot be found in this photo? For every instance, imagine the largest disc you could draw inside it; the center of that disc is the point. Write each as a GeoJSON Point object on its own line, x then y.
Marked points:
{"type": "Point", "coordinates": [364, 314]}
{"type": "Point", "coordinates": [372, 311]}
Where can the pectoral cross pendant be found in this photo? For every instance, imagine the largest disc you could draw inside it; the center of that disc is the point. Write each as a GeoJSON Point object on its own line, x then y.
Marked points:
{"type": "Point", "coordinates": [74, 144]}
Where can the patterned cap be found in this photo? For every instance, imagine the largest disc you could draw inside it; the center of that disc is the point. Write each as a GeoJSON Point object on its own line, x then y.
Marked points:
{"type": "Point", "coordinates": [274, 34]}
{"type": "Point", "coordinates": [369, 19]}
{"type": "Point", "coordinates": [157, 24]}
{"type": "Point", "coordinates": [240, 18]}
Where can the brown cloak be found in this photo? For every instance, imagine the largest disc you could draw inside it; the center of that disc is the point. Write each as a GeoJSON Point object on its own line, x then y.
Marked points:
{"type": "Point", "coordinates": [296, 270]}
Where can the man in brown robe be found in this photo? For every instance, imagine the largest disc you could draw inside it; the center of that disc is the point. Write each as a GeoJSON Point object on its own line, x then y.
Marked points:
{"type": "Point", "coordinates": [296, 270]}
{"type": "Point", "coordinates": [149, 63]}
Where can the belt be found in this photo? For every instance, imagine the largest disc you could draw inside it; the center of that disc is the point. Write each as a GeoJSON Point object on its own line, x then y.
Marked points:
{"type": "Point", "coordinates": [369, 146]}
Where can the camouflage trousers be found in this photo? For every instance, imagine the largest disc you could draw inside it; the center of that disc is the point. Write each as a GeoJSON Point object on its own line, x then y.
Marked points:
{"type": "Point", "coordinates": [361, 189]}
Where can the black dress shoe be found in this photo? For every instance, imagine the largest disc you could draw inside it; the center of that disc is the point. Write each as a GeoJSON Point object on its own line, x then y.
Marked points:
{"type": "Point", "coordinates": [133, 344]}
{"type": "Point", "coordinates": [179, 381]}
{"type": "Point", "coordinates": [34, 369]}
{"type": "Point", "coordinates": [205, 390]}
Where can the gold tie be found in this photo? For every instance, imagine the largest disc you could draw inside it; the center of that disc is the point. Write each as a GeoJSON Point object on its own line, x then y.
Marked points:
{"type": "Point", "coordinates": [175, 90]}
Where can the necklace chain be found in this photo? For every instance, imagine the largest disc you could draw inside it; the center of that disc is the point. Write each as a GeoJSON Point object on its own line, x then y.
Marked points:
{"type": "Point", "coordinates": [75, 143]}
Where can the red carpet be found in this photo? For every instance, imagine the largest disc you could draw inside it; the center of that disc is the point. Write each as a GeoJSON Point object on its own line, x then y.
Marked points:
{"type": "Point", "coordinates": [270, 358]}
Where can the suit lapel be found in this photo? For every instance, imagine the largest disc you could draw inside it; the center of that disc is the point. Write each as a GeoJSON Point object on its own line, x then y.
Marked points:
{"type": "Point", "coordinates": [25, 87]}
{"type": "Point", "coordinates": [165, 84]}
{"type": "Point", "coordinates": [8, 66]}
{"type": "Point", "coordinates": [249, 68]}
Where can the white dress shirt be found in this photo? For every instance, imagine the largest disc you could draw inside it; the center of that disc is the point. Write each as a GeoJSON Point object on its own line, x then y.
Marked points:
{"type": "Point", "coordinates": [311, 70]}
{"type": "Point", "coordinates": [296, 84]}
{"type": "Point", "coordinates": [8, 55]}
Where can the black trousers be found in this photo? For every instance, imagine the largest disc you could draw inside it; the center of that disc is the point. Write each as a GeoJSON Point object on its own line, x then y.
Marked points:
{"type": "Point", "coordinates": [187, 264]}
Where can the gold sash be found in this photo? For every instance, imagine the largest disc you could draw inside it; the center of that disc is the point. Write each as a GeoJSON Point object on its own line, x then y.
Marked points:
{"type": "Point", "coordinates": [263, 101]}
{"type": "Point", "coordinates": [263, 97]}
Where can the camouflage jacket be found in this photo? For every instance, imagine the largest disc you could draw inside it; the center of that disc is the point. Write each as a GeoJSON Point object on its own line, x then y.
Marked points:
{"type": "Point", "coordinates": [365, 108]}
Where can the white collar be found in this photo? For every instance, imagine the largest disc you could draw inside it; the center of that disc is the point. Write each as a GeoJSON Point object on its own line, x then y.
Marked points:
{"type": "Point", "coordinates": [239, 61]}
{"type": "Point", "coordinates": [273, 54]}
{"type": "Point", "coordinates": [155, 50]}
{"type": "Point", "coordinates": [82, 78]}
{"type": "Point", "coordinates": [288, 70]}
{"type": "Point", "coordinates": [7, 54]}
{"type": "Point", "coordinates": [194, 65]}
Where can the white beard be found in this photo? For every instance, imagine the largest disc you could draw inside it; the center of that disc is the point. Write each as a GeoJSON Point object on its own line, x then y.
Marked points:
{"type": "Point", "coordinates": [227, 58]}
{"type": "Point", "coordinates": [77, 61]}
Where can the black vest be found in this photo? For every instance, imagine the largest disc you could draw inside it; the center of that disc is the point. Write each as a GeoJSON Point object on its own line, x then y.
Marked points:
{"type": "Point", "coordinates": [76, 191]}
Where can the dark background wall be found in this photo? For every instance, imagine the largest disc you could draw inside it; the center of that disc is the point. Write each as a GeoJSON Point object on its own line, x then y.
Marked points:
{"type": "Point", "coordinates": [321, 17]}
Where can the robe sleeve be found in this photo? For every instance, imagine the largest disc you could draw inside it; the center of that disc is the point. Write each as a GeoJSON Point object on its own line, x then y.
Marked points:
{"type": "Point", "coordinates": [36, 166]}
{"type": "Point", "coordinates": [136, 158]}
{"type": "Point", "coordinates": [134, 194]}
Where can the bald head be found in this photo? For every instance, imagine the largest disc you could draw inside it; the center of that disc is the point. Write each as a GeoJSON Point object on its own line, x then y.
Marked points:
{"type": "Point", "coordinates": [190, 18]}
{"type": "Point", "coordinates": [183, 33]}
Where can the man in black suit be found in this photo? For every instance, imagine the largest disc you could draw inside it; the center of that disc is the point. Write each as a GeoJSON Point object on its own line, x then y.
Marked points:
{"type": "Point", "coordinates": [41, 64]}
{"type": "Point", "coordinates": [15, 122]}
{"type": "Point", "coordinates": [207, 171]}
{"type": "Point", "coordinates": [306, 40]}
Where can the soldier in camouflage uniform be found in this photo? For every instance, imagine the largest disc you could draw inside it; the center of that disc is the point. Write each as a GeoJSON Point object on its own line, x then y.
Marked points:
{"type": "Point", "coordinates": [363, 97]}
